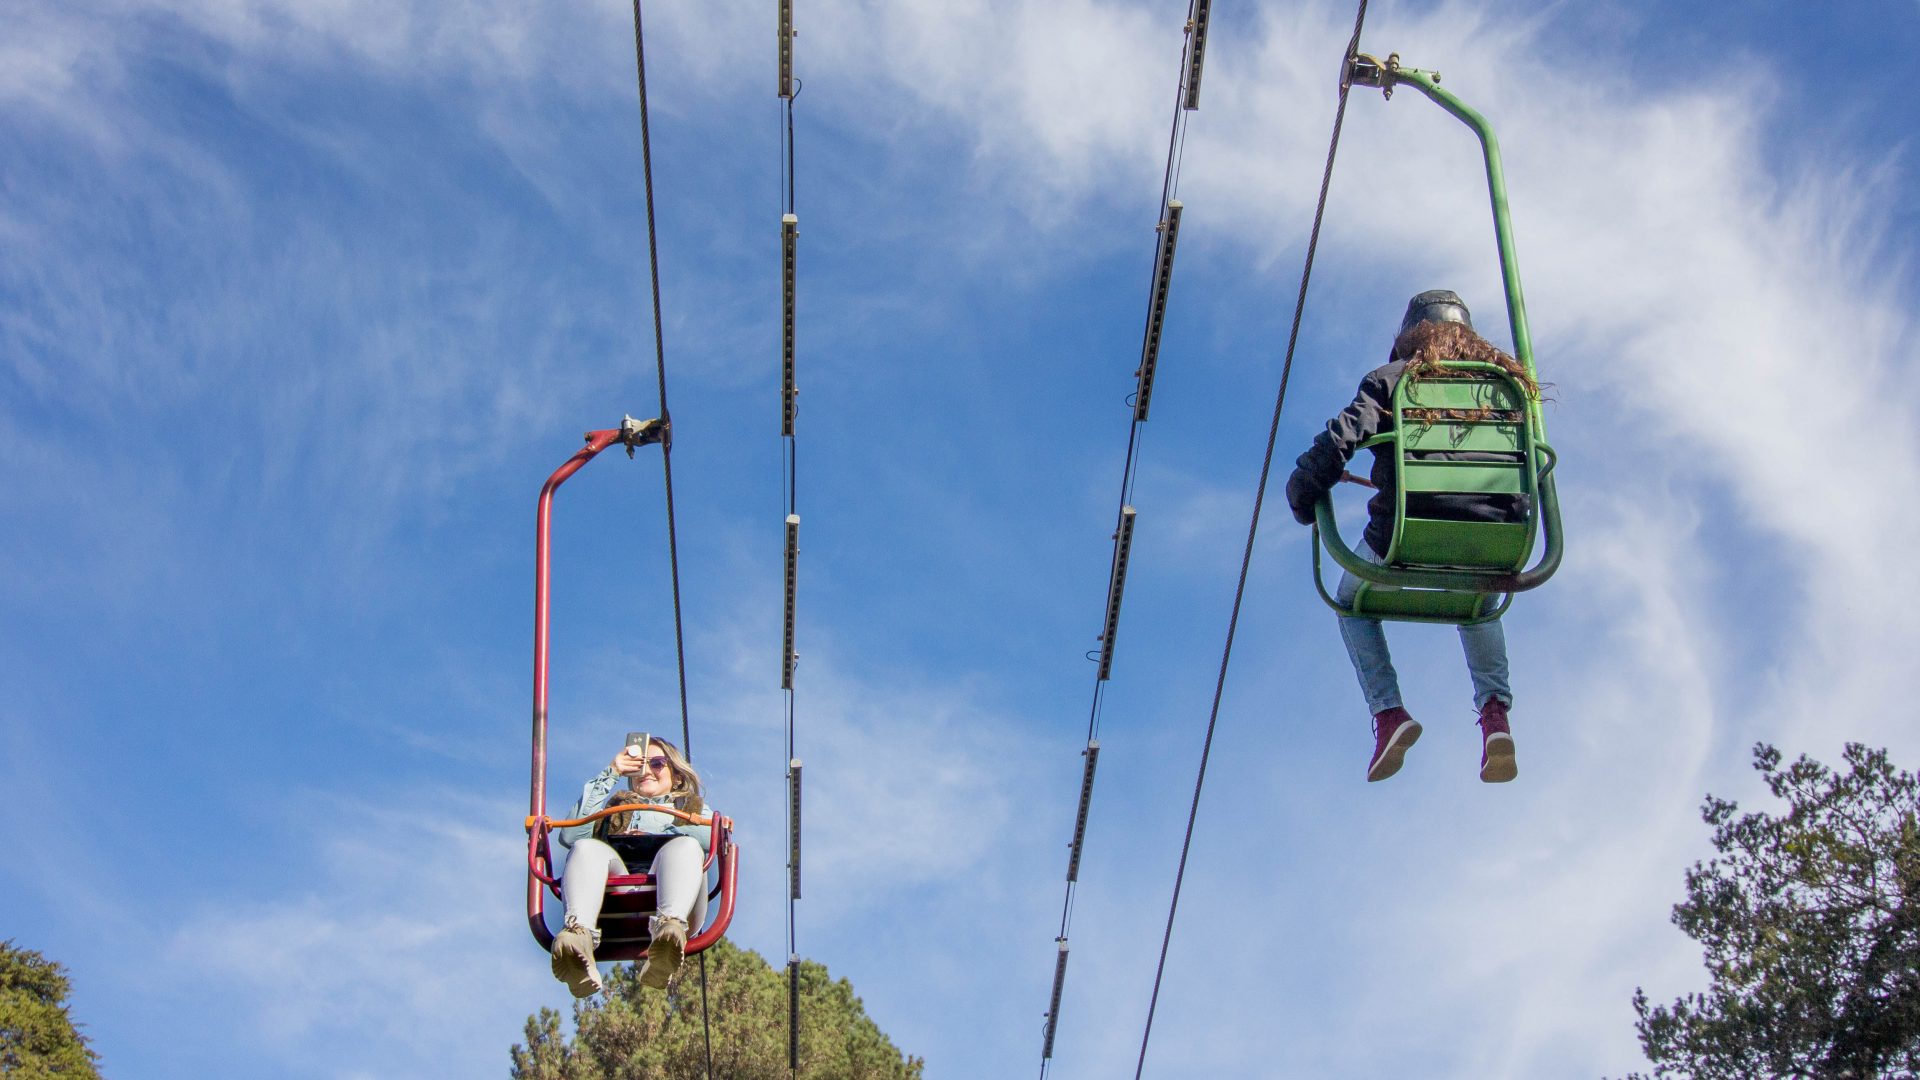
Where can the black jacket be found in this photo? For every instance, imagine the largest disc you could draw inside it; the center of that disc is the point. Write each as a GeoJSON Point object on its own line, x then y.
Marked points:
{"type": "Point", "coordinates": [1369, 414]}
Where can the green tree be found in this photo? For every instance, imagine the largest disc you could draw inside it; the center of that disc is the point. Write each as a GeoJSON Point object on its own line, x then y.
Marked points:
{"type": "Point", "coordinates": [38, 1040]}
{"type": "Point", "coordinates": [635, 1034]}
{"type": "Point", "coordinates": [1811, 924]}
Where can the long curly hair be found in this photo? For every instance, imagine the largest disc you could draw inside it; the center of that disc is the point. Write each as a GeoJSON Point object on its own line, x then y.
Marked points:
{"type": "Point", "coordinates": [1428, 347]}
{"type": "Point", "coordinates": [686, 790]}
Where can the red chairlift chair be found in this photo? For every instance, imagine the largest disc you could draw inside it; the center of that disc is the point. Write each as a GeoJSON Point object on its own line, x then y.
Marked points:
{"type": "Point", "coordinates": [630, 898]}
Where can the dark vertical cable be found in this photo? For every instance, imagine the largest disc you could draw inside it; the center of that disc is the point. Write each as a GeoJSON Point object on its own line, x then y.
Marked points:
{"type": "Point", "coordinates": [666, 448]}
{"type": "Point", "coordinates": [1166, 223]}
{"type": "Point", "coordinates": [790, 468]}
{"type": "Point", "coordinates": [1253, 529]}
{"type": "Point", "coordinates": [660, 366]}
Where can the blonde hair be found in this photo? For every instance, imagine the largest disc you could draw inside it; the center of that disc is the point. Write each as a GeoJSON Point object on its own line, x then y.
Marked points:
{"type": "Point", "coordinates": [616, 824]}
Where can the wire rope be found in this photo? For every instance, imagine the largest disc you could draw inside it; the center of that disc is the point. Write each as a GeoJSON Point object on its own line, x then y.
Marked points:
{"type": "Point", "coordinates": [1169, 185]}
{"type": "Point", "coordinates": [790, 88]}
{"type": "Point", "coordinates": [666, 452]}
{"type": "Point", "coordinates": [660, 368]}
{"type": "Point", "coordinates": [1253, 527]}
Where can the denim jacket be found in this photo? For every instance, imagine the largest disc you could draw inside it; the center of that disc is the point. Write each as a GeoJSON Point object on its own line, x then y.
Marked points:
{"type": "Point", "coordinates": [593, 798]}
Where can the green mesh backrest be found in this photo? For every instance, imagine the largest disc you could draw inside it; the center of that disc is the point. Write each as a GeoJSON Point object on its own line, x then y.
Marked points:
{"type": "Point", "coordinates": [1485, 413]}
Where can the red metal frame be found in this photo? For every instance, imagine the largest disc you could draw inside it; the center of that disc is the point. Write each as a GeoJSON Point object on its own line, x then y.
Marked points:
{"type": "Point", "coordinates": [539, 850]}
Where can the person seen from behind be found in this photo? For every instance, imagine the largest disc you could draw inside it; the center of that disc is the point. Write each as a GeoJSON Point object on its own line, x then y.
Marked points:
{"type": "Point", "coordinates": [1437, 328]}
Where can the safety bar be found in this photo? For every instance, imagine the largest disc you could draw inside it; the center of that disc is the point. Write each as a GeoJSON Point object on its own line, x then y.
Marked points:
{"type": "Point", "coordinates": [670, 811]}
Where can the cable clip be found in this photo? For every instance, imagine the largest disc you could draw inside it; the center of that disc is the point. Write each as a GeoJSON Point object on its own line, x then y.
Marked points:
{"type": "Point", "coordinates": [1365, 70]}
{"type": "Point", "coordinates": [635, 433]}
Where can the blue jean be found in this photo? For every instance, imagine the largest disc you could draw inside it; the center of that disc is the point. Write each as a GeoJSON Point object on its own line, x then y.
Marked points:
{"type": "Point", "coordinates": [1484, 643]}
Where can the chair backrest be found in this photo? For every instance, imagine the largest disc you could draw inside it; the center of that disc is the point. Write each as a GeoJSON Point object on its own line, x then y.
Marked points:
{"type": "Point", "coordinates": [1477, 410]}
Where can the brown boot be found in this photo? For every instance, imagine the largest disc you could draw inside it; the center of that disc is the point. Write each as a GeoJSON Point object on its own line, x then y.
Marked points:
{"type": "Point", "coordinates": [664, 951]}
{"type": "Point", "coordinates": [573, 959]}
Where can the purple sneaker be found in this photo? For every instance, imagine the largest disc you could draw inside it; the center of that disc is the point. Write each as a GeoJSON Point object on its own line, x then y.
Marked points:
{"type": "Point", "coordinates": [1393, 731]}
{"type": "Point", "coordinates": [1496, 744]}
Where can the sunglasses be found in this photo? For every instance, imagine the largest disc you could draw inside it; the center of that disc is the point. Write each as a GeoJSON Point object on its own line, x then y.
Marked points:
{"type": "Point", "coordinates": [656, 763]}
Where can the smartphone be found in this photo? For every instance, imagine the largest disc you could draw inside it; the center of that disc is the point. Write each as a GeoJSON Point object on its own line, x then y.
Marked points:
{"type": "Point", "coordinates": [637, 743]}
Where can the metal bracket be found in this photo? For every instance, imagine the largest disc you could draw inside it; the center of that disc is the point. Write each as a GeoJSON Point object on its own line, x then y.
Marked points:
{"type": "Point", "coordinates": [1365, 70]}
{"type": "Point", "coordinates": [635, 433]}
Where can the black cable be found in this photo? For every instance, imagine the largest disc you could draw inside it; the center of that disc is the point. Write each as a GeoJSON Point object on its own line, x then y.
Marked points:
{"type": "Point", "coordinates": [666, 449]}
{"type": "Point", "coordinates": [797, 87]}
{"type": "Point", "coordinates": [1176, 140]}
{"type": "Point", "coordinates": [1253, 529]}
{"type": "Point", "coordinates": [790, 470]}
{"type": "Point", "coordinates": [660, 367]}
{"type": "Point", "coordinates": [706, 1027]}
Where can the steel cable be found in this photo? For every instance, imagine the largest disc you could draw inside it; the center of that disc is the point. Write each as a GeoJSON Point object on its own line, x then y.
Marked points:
{"type": "Point", "coordinates": [666, 451]}
{"type": "Point", "coordinates": [1169, 183]}
{"type": "Point", "coordinates": [1253, 528]}
{"type": "Point", "coordinates": [790, 476]}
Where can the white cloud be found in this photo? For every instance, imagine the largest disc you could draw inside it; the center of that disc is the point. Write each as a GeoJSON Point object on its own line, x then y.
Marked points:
{"type": "Point", "coordinates": [1702, 292]}
{"type": "Point", "coordinates": [389, 921]}
{"type": "Point", "coordinates": [1725, 307]}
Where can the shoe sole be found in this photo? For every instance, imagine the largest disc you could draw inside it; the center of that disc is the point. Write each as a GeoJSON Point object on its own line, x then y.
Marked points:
{"type": "Point", "coordinates": [663, 962]}
{"type": "Point", "coordinates": [570, 967]}
{"type": "Point", "coordinates": [1391, 758]}
{"type": "Point", "coordinates": [1499, 766]}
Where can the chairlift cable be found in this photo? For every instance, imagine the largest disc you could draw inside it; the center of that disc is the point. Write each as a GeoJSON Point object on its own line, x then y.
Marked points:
{"type": "Point", "coordinates": [1168, 217]}
{"type": "Point", "coordinates": [789, 89]}
{"type": "Point", "coordinates": [666, 452]}
{"type": "Point", "coordinates": [1253, 528]}
{"type": "Point", "coordinates": [660, 368]}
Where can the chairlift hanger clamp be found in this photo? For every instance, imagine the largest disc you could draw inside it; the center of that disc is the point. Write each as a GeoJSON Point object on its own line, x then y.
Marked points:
{"type": "Point", "coordinates": [637, 433]}
{"type": "Point", "coordinates": [1365, 70]}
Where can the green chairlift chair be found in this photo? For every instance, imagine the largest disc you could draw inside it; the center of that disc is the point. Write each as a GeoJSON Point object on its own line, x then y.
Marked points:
{"type": "Point", "coordinates": [1441, 570]}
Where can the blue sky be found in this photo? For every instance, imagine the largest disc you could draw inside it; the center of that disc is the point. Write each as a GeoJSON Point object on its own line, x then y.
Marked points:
{"type": "Point", "coordinates": [299, 304]}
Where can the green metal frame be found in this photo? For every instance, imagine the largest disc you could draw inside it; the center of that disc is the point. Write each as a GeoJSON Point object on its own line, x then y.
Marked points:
{"type": "Point", "coordinates": [1442, 570]}
{"type": "Point", "coordinates": [1447, 592]}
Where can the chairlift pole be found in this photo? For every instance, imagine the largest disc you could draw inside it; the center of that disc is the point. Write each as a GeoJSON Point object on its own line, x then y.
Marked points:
{"type": "Point", "coordinates": [1366, 71]}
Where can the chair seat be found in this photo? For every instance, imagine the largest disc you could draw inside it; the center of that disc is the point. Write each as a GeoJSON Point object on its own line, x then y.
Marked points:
{"type": "Point", "coordinates": [1463, 545]}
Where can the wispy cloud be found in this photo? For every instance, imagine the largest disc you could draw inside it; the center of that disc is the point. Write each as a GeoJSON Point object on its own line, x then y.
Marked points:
{"type": "Point", "coordinates": [396, 918]}
{"type": "Point", "coordinates": [1721, 313]}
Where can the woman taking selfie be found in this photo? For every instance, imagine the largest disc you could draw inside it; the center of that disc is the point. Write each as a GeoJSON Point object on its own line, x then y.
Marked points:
{"type": "Point", "coordinates": [672, 850]}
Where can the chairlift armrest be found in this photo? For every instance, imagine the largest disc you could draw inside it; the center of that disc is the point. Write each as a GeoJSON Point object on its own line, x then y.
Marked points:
{"type": "Point", "coordinates": [1549, 528]}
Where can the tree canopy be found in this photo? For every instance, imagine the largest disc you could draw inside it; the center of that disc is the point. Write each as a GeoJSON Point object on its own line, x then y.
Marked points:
{"type": "Point", "coordinates": [632, 1033]}
{"type": "Point", "coordinates": [38, 1040]}
{"type": "Point", "coordinates": [1811, 924]}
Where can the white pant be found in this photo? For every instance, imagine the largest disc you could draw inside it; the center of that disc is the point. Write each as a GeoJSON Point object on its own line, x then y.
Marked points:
{"type": "Point", "coordinates": [678, 871]}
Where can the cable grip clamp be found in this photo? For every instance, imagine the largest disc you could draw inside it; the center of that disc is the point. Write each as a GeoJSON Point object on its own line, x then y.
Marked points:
{"type": "Point", "coordinates": [635, 433]}
{"type": "Point", "coordinates": [1365, 70]}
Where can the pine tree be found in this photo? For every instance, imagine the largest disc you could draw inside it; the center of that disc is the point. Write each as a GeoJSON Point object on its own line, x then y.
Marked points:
{"type": "Point", "coordinates": [1811, 924]}
{"type": "Point", "coordinates": [632, 1033]}
{"type": "Point", "coordinates": [38, 1040]}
